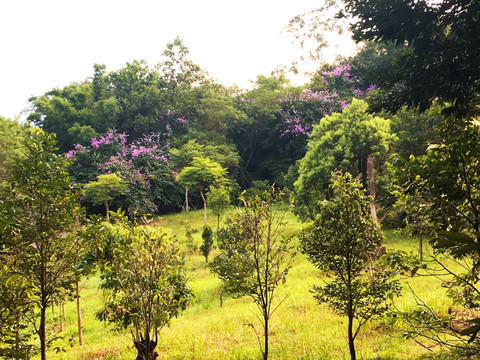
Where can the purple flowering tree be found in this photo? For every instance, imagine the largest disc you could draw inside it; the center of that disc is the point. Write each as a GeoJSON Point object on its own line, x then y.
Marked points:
{"type": "Point", "coordinates": [144, 164]}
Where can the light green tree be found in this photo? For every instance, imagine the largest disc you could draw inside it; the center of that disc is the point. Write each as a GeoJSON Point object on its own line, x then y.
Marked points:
{"type": "Point", "coordinates": [102, 191]}
{"type": "Point", "coordinates": [341, 141]}
{"type": "Point", "coordinates": [218, 200]}
{"type": "Point", "coordinates": [201, 173]}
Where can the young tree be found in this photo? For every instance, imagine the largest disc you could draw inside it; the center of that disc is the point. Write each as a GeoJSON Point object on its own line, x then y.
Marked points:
{"type": "Point", "coordinates": [218, 200]}
{"type": "Point", "coordinates": [207, 236]}
{"type": "Point", "coordinates": [200, 173]}
{"type": "Point", "coordinates": [342, 240]}
{"type": "Point", "coordinates": [104, 190]}
{"type": "Point", "coordinates": [148, 283]}
{"type": "Point", "coordinates": [255, 257]}
{"type": "Point", "coordinates": [41, 209]}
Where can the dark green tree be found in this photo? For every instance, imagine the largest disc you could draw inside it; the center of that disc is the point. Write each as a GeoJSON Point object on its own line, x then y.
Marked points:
{"type": "Point", "coordinates": [343, 240]}
{"type": "Point", "coordinates": [439, 58]}
{"type": "Point", "coordinates": [206, 247]}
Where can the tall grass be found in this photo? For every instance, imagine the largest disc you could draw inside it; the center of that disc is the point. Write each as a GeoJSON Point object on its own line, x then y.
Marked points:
{"type": "Point", "coordinates": [300, 329]}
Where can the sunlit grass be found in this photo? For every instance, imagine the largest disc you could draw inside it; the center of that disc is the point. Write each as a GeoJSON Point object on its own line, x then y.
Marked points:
{"type": "Point", "coordinates": [300, 329]}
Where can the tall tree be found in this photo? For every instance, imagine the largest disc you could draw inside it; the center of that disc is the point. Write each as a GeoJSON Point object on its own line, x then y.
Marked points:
{"type": "Point", "coordinates": [342, 141]}
{"type": "Point", "coordinates": [41, 208]}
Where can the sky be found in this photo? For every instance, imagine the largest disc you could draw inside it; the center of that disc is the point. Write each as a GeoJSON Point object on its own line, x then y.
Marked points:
{"type": "Point", "coordinates": [51, 43]}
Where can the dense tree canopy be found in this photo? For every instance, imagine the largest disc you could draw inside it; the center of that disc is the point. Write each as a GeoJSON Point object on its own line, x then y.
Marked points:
{"type": "Point", "coordinates": [341, 141]}
{"type": "Point", "coordinates": [439, 59]}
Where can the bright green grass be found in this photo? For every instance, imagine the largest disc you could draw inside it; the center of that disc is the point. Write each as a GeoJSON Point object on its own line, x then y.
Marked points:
{"type": "Point", "coordinates": [300, 329]}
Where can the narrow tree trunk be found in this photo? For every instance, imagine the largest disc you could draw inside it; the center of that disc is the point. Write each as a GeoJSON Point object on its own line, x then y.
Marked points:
{"type": "Point", "coordinates": [60, 315]}
{"type": "Point", "coordinates": [42, 333]}
{"type": "Point", "coordinates": [265, 352]}
{"type": "Point", "coordinates": [204, 209]}
{"type": "Point", "coordinates": [43, 306]}
{"type": "Point", "coordinates": [186, 199]}
{"type": "Point", "coordinates": [371, 183]}
{"type": "Point", "coordinates": [351, 344]}
{"type": "Point", "coordinates": [107, 211]}
{"type": "Point", "coordinates": [420, 247]}
{"type": "Point", "coordinates": [79, 317]}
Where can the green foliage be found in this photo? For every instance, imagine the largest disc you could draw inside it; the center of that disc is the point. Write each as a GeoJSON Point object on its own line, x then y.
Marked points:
{"type": "Point", "coordinates": [339, 142]}
{"type": "Point", "coordinates": [218, 198]}
{"type": "Point", "coordinates": [255, 256]}
{"type": "Point", "coordinates": [439, 191]}
{"type": "Point", "coordinates": [438, 61]}
{"type": "Point", "coordinates": [12, 135]}
{"type": "Point", "coordinates": [39, 210]}
{"type": "Point", "coordinates": [147, 281]}
{"type": "Point", "coordinates": [82, 134]}
{"type": "Point", "coordinates": [201, 173]}
{"type": "Point", "coordinates": [206, 247]}
{"type": "Point", "coordinates": [343, 240]}
{"type": "Point", "coordinates": [104, 190]}
{"type": "Point", "coordinates": [16, 302]}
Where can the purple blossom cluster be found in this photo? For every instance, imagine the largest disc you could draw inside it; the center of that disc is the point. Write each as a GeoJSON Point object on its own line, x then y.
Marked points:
{"type": "Point", "coordinates": [110, 138]}
{"type": "Point", "coordinates": [302, 111]}
{"type": "Point", "coordinates": [137, 162]}
{"type": "Point", "coordinates": [295, 127]}
{"type": "Point", "coordinates": [342, 70]}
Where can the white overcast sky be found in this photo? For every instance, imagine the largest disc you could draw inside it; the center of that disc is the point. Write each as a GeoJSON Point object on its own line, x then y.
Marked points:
{"type": "Point", "coordinates": [51, 43]}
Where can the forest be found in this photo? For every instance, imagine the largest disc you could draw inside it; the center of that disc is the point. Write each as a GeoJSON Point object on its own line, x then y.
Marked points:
{"type": "Point", "coordinates": [337, 219]}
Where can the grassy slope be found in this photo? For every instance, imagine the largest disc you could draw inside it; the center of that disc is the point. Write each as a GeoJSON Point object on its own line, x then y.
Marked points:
{"type": "Point", "coordinates": [301, 329]}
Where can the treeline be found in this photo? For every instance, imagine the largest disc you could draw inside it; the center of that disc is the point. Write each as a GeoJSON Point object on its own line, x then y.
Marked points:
{"type": "Point", "coordinates": [147, 124]}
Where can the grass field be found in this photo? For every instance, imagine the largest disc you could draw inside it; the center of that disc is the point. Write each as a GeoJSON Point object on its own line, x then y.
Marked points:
{"type": "Point", "coordinates": [301, 329]}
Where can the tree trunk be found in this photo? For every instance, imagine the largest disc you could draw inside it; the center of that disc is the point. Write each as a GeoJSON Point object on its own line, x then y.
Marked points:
{"type": "Point", "coordinates": [265, 351]}
{"type": "Point", "coordinates": [186, 199]}
{"type": "Point", "coordinates": [204, 209]}
{"type": "Point", "coordinates": [79, 317]}
{"type": "Point", "coordinates": [107, 211]}
{"type": "Point", "coordinates": [371, 184]}
{"type": "Point", "coordinates": [420, 247]}
{"type": "Point", "coordinates": [41, 331]}
{"type": "Point", "coordinates": [351, 344]}
{"type": "Point", "coordinates": [43, 306]}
